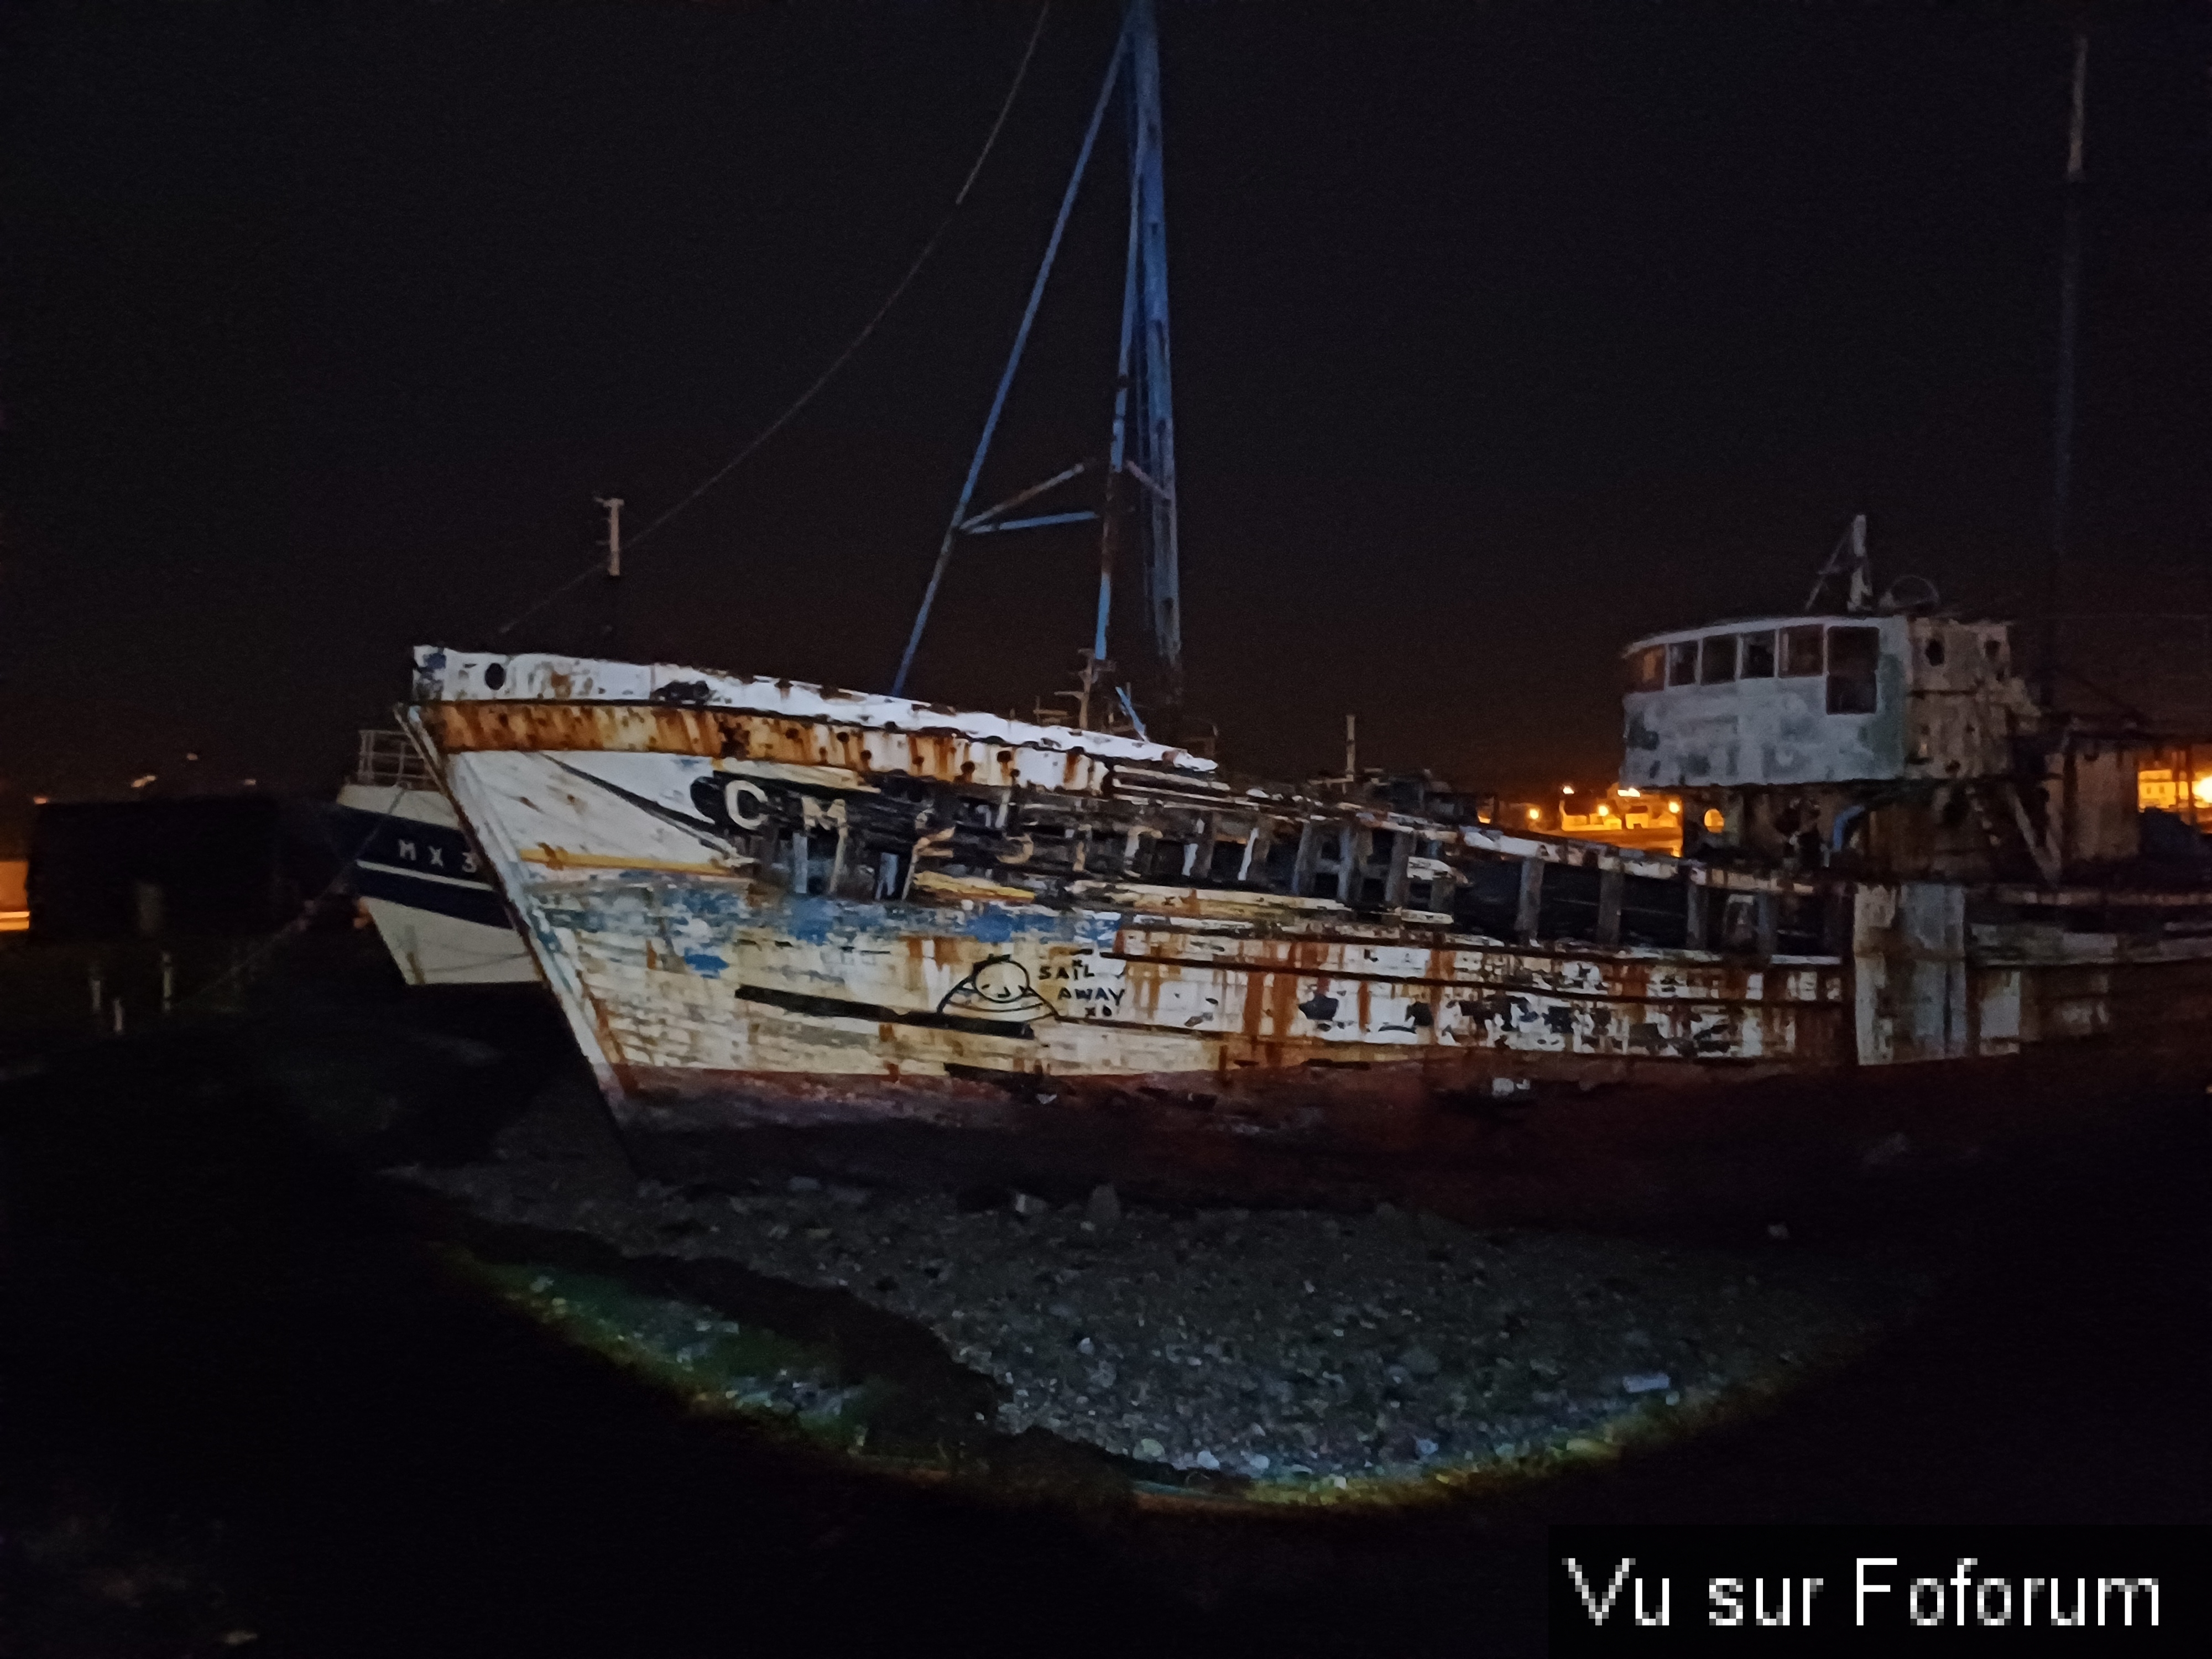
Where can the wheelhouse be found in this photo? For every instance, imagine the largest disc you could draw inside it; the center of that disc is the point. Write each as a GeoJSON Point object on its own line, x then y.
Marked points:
{"type": "Point", "coordinates": [1820, 700]}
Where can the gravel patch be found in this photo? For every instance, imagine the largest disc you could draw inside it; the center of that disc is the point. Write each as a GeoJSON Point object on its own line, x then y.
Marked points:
{"type": "Point", "coordinates": [1277, 1345]}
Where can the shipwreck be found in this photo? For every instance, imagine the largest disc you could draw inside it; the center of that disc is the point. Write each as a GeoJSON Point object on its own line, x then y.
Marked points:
{"type": "Point", "coordinates": [1919, 916]}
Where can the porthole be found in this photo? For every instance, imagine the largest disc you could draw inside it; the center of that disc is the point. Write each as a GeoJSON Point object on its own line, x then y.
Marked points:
{"type": "Point", "coordinates": [495, 675]}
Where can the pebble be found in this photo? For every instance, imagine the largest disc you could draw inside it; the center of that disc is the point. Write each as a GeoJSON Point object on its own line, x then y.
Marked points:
{"type": "Point", "coordinates": [1293, 1344]}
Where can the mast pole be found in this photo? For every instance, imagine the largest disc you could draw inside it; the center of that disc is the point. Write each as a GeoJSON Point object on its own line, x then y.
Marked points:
{"type": "Point", "coordinates": [1013, 362]}
{"type": "Point", "coordinates": [2062, 457]}
{"type": "Point", "coordinates": [1155, 402]}
{"type": "Point", "coordinates": [614, 507]}
{"type": "Point", "coordinates": [1117, 449]}
{"type": "Point", "coordinates": [1860, 596]}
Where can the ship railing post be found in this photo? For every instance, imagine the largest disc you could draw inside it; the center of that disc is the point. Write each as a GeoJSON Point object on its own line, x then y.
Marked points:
{"type": "Point", "coordinates": [1253, 866]}
{"type": "Point", "coordinates": [1612, 884]}
{"type": "Point", "coordinates": [1395, 879]}
{"type": "Point", "coordinates": [1694, 929]}
{"type": "Point", "coordinates": [1836, 920]}
{"type": "Point", "coordinates": [1766, 921]}
{"type": "Point", "coordinates": [1303, 868]}
{"type": "Point", "coordinates": [1526, 916]}
{"type": "Point", "coordinates": [1200, 859]}
{"type": "Point", "coordinates": [1353, 845]}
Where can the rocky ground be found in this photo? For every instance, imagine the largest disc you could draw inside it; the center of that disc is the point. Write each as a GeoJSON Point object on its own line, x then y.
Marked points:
{"type": "Point", "coordinates": [1315, 1346]}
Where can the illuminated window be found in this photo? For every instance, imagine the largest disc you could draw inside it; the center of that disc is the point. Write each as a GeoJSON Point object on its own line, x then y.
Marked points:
{"type": "Point", "coordinates": [1714, 818]}
{"type": "Point", "coordinates": [1682, 662]}
{"type": "Point", "coordinates": [2159, 786]}
{"type": "Point", "coordinates": [1801, 652]}
{"type": "Point", "coordinates": [1758, 662]}
{"type": "Point", "coordinates": [1853, 653]}
{"type": "Point", "coordinates": [1717, 664]}
{"type": "Point", "coordinates": [1647, 669]}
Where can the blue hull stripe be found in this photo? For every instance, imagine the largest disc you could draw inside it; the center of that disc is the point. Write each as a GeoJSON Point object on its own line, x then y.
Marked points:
{"type": "Point", "coordinates": [425, 866]}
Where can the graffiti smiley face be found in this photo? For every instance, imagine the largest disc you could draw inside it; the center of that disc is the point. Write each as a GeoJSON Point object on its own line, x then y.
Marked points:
{"type": "Point", "coordinates": [998, 988]}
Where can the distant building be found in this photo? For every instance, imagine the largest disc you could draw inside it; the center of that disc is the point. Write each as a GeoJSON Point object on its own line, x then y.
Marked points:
{"type": "Point", "coordinates": [207, 864]}
{"type": "Point", "coordinates": [1650, 821]}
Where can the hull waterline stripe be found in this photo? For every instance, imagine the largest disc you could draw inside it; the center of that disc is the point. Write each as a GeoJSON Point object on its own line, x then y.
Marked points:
{"type": "Point", "coordinates": [485, 887]}
{"type": "Point", "coordinates": [837, 1008]}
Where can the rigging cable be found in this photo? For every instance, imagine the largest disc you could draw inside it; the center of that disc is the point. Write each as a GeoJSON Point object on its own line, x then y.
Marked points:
{"type": "Point", "coordinates": [1006, 108]}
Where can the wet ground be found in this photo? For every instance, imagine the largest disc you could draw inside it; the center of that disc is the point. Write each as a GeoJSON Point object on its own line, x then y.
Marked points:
{"type": "Point", "coordinates": [259, 1398]}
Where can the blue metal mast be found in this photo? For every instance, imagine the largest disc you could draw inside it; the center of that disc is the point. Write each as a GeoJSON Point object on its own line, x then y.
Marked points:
{"type": "Point", "coordinates": [1152, 460]}
{"type": "Point", "coordinates": [1140, 462]}
{"type": "Point", "coordinates": [960, 519]}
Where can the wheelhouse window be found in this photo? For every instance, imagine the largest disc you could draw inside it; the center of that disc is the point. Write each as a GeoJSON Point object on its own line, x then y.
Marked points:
{"type": "Point", "coordinates": [1801, 655]}
{"type": "Point", "coordinates": [1757, 662]}
{"type": "Point", "coordinates": [1682, 662]}
{"type": "Point", "coordinates": [1716, 660]}
{"type": "Point", "coordinates": [1647, 669]}
{"type": "Point", "coordinates": [1853, 653]}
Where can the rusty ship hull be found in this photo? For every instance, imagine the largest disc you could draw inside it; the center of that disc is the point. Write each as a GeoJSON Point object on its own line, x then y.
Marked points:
{"type": "Point", "coordinates": [822, 930]}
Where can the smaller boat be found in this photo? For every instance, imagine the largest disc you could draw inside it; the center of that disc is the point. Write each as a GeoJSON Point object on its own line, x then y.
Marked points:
{"type": "Point", "coordinates": [423, 884]}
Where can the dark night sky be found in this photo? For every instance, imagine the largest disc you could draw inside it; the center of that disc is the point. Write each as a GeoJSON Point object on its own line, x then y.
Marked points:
{"type": "Point", "coordinates": [1502, 334]}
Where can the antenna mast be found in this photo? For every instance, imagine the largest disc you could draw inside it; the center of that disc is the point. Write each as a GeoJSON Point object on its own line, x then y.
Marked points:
{"type": "Point", "coordinates": [2061, 444]}
{"type": "Point", "coordinates": [614, 505]}
{"type": "Point", "coordinates": [1849, 561]}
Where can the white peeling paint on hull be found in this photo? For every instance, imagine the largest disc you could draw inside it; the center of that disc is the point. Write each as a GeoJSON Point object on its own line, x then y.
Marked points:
{"type": "Point", "coordinates": [672, 952]}
{"type": "Point", "coordinates": [791, 942]}
{"type": "Point", "coordinates": [431, 949]}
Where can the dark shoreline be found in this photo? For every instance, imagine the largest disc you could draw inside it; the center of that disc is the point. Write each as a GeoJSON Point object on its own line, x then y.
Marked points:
{"type": "Point", "coordinates": [221, 1339]}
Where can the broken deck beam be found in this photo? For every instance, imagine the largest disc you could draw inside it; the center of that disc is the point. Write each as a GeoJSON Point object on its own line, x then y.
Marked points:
{"type": "Point", "coordinates": [1610, 885]}
{"type": "Point", "coordinates": [1527, 913]}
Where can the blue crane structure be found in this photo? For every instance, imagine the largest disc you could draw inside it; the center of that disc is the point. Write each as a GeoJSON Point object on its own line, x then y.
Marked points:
{"type": "Point", "coordinates": [1138, 467]}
